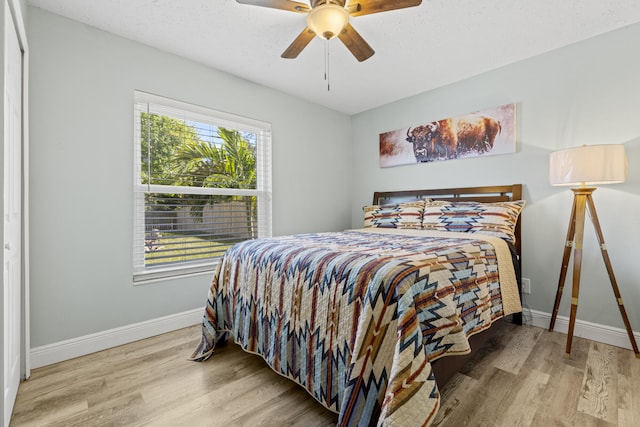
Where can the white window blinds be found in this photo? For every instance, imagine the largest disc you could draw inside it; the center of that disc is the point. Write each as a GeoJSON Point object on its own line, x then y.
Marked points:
{"type": "Point", "coordinates": [202, 182]}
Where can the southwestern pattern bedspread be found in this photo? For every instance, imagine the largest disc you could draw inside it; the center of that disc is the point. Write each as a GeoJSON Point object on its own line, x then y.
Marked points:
{"type": "Point", "coordinates": [356, 317]}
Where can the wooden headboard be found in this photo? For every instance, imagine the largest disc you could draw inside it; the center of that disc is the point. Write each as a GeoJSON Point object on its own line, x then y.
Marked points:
{"type": "Point", "coordinates": [495, 193]}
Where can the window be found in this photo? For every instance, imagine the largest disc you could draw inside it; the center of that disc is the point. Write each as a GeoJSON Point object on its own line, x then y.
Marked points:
{"type": "Point", "coordinates": [202, 182]}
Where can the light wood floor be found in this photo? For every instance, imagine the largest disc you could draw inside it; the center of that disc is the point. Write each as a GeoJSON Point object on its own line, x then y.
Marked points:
{"type": "Point", "coordinates": [519, 379]}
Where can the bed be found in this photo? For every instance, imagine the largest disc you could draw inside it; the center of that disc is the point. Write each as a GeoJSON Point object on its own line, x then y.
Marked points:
{"type": "Point", "coordinates": [363, 318]}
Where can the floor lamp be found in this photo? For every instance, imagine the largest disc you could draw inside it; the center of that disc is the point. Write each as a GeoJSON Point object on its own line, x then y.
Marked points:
{"type": "Point", "coordinates": [586, 166]}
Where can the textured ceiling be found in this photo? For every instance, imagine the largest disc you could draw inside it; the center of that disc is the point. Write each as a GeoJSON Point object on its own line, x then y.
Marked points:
{"type": "Point", "coordinates": [417, 49]}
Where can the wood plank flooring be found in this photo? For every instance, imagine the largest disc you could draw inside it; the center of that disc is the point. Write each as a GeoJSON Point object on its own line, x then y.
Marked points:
{"type": "Point", "coordinates": [520, 378]}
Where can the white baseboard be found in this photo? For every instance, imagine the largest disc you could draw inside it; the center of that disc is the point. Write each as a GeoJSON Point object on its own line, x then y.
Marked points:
{"type": "Point", "coordinates": [592, 331]}
{"type": "Point", "coordinates": [75, 347]}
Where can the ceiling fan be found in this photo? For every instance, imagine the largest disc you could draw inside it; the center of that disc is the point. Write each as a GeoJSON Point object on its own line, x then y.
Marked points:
{"type": "Point", "coordinates": [330, 18]}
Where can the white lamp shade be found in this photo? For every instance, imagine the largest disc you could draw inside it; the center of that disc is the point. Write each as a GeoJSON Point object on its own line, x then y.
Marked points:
{"type": "Point", "coordinates": [588, 165]}
{"type": "Point", "coordinates": [327, 20]}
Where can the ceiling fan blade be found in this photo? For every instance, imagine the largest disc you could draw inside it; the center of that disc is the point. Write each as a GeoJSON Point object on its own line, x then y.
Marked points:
{"type": "Point", "coordinates": [299, 43]}
{"type": "Point", "coordinates": [367, 7]}
{"type": "Point", "coordinates": [292, 6]}
{"type": "Point", "coordinates": [355, 43]}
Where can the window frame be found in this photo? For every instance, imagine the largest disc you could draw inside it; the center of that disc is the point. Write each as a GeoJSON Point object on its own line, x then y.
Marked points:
{"type": "Point", "coordinates": [194, 113]}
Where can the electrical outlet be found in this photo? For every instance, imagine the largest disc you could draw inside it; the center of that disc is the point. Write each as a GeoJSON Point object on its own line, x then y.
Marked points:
{"type": "Point", "coordinates": [526, 286]}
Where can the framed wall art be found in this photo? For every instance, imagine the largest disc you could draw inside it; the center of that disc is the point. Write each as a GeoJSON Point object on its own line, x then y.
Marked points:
{"type": "Point", "coordinates": [483, 133]}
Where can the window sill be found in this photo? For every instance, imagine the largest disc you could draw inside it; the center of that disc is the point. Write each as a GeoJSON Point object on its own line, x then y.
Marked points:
{"type": "Point", "coordinates": [161, 275]}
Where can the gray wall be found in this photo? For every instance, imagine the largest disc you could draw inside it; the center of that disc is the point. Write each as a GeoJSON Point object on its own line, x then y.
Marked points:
{"type": "Point", "coordinates": [81, 135]}
{"type": "Point", "coordinates": [81, 95]}
{"type": "Point", "coordinates": [587, 93]}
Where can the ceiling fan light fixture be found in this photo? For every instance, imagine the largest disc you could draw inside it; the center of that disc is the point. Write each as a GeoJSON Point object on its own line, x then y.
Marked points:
{"type": "Point", "coordinates": [328, 20]}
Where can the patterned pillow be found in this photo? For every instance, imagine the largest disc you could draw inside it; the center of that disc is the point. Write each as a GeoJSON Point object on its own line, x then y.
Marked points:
{"type": "Point", "coordinates": [400, 215]}
{"type": "Point", "coordinates": [495, 219]}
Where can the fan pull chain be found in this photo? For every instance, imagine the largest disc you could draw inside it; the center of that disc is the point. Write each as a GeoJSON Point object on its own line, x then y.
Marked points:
{"type": "Point", "coordinates": [326, 64]}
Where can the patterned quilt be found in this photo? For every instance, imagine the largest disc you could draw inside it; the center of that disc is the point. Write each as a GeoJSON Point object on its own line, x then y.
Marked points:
{"type": "Point", "coordinates": [356, 317]}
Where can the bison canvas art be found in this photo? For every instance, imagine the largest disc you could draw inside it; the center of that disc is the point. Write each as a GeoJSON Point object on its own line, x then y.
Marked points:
{"type": "Point", "coordinates": [482, 133]}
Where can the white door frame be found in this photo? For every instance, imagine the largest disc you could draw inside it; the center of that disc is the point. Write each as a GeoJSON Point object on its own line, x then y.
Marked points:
{"type": "Point", "coordinates": [18, 20]}
{"type": "Point", "coordinates": [12, 12]}
{"type": "Point", "coordinates": [19, 23]}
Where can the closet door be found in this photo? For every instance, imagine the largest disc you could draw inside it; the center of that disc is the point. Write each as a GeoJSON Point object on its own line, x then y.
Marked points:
{"type": "Point", "coordinates": [12, 210]}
